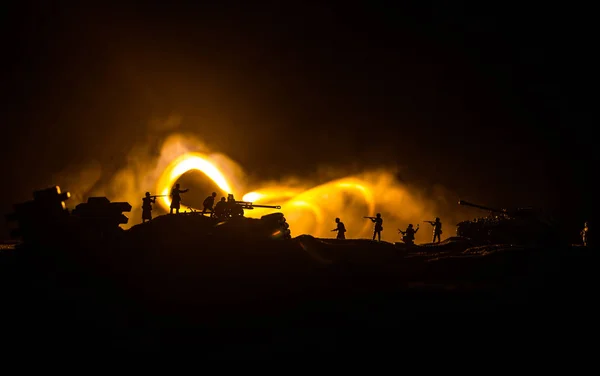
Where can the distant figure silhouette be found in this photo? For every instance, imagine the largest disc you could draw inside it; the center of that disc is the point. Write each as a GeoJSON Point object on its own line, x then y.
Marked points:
{"type": "Point", "coordinates": [585, 234]}
{"type": "Point", "coordinates": [409, 235]}
{"type": "Point", "coordinates": [378, 226]}
{"type": "Point", "coordinates": [208, 204]}
{"type": "Point", "coordinates": [176, 198]}
{"type": "Point", "coordinates": [437, 229]}
{"type": "Point", "coordinates": [220, 210]}
{"type": "Point", "coordinates": [147, 207]}
{"type": "Point", "coordinates": [341, 229]}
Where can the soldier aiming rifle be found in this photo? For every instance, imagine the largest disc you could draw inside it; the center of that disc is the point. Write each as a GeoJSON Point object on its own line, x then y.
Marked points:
{"type": "Point", "coordinates": [378, 225]}
{"type": "Point", "coordinates": [147, 202]}
{"type": "Point", "coordinates": [437, 229]}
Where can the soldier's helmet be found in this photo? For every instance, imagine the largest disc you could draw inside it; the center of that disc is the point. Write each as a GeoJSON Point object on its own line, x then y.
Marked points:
{"type": "Point", "coordinates": [410, 225]}
{"type": "Point", "coordinates": [437, 219]}
{"type": "Point", "coordinates": [222, 198]}
{"type": "Point", "coordinates": [378, 215]}
{"type": "Point", "coordinates": [147, 194]}
{"type": "Point", "coordinates": [337, 219]}
{"type": "Point", "coordinates": [177, 185]}
{"type": "Point", "coordinates": [214, 194]}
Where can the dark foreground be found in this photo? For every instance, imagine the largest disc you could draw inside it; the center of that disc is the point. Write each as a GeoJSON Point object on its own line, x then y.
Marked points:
{"type": "Point", "coordinates": [244, 299]}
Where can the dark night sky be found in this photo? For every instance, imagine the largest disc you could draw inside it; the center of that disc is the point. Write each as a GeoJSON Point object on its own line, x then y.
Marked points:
{"type": "Point", "coordinates": [491, 102]}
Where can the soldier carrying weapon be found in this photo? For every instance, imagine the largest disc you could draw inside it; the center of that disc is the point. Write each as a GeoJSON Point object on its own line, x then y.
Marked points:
{"type": "Point", "coordinates": [341, 229]}
{"type": "Point", "coordinates": [147, 206]}
{"type": "Point", "coordinates": [378, 225]}
{"type": "Point", "coordinates": [176, 198]}
{"type": "Point", "coordinates": [408, 236]}
{"type": "Point", "coordinates": [208, 204]}
{"type": "Point", "coordinates": [437, 229]}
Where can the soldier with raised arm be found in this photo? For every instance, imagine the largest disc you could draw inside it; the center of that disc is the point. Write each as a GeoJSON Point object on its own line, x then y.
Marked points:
{"type": "Point", "coordinates": [176, 198]}
{"type": "Point", "coordinates": [341, 229]}
{"type": "Point", "coordinates": [408, 236]}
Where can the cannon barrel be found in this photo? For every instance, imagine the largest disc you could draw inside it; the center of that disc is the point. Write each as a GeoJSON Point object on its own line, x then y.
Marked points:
{"type": "Point", "coordinates": [466, 203]}
{"type": "Point", "coordinates": [249, 205]}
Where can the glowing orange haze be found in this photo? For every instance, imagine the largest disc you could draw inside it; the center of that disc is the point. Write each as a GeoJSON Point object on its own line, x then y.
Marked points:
{"type": "Point", "coordinates": [310, 208]}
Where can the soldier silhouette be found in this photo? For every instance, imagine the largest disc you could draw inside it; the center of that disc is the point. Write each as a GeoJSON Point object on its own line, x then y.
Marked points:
{"type": "Point", "coordinates": [341, 229]}
{"type": "Point", "coordinates": [233, 210]}
{"type": "Point", "coordinates": [408, 236]}
{"type": "Point", "coordinates": [208, 204]}
{"type": "Point", "coordinates": [585, 234]}
{"type": "Point", "coordinates": [176, 198]}
{"type": "Point", "coordinates": [220, 210]}
{"type": "Point", "coordinates": [378, 226]}
{"type": "Point", "coordinates": [147, 207]}
{"type": "Point", "coordinates": [437, 229]}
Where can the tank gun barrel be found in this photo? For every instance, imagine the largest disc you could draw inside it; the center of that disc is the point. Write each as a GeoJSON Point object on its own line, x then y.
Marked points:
{"type": "Point", "coordinates": [466, 203]}
{"type": "Point", "coordinates": [250, 205]}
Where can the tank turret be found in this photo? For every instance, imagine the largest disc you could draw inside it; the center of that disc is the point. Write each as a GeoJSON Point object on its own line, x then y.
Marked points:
{"type": "Point", "coordinates": [100, 214]}
{"type": "Point", "coordinates": [42, 219]}
{"type": "Point", "coordinates": [524, 226]}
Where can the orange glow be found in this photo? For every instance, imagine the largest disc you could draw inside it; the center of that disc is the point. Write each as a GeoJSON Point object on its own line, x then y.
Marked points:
{"type": "Point", "coordinates": [183, 164]}
{"type": "Point", "coordinates": [297, 201]}
{"type": "Point", "coordinates": [309, 208]}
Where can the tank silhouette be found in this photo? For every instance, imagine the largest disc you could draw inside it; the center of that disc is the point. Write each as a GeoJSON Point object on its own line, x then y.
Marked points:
{"type": "Point", "coordinates": [43, 219]}
{"type": "Point", "coordinates": [522, 226]}
{"type": "Point", "coordinates": [101, 216]}
{"type": "Point", "coordinates": [271, 226]}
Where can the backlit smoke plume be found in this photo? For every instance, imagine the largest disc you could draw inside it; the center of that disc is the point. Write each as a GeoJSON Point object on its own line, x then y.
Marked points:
{"type": "Point", "coordinates": [310, 205]}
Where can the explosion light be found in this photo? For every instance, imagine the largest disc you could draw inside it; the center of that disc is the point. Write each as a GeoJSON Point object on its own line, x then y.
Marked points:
{"type": "Point", "coordinates": [322, 201]}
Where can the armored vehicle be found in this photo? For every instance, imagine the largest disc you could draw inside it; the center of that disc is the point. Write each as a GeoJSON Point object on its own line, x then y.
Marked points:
{"type": "Point", "coordinates": [522, 226]}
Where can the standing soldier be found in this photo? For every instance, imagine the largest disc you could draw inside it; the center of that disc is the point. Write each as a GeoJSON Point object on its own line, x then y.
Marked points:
{"type": "Point", "coordinates": [176, 198]}
{"type": "Point", "coordinates": [408, 236]}
{"type": "Point", "coordinates": [341, 229]}
{"type": "Point", "coordinates": [437, 229]}
{"type": "Point", "coordinates": [585, 234]}
{"type": "Point", "coordinates": [208, 204]}
{"type": "Point", "coordinates": [378, 226]}
{"type": "Point", "coordinates": [147, 207]}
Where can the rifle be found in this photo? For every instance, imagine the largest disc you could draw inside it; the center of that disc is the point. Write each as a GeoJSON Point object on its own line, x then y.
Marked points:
{"type": "Point", "coordinates": [155, 196]}
{"type": "Point", "coordinates": [370, 217]}
{"type": "Point", "coordinates": [430, 222]}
